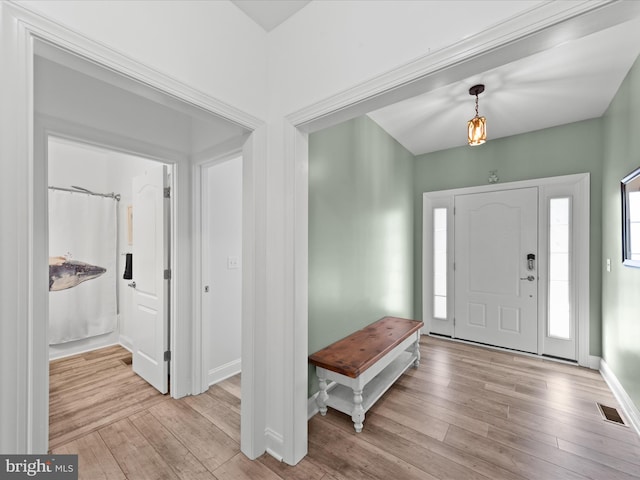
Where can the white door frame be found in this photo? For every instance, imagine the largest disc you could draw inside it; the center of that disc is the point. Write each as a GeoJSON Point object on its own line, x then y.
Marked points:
{"type": "Point", "coordinates": [202, 328]}
{"type": "Point", "coordinates": [46, 127]}
{"type": "Point", "coordinates": [575, 186]}
{"type": "Point", "coordinates": [26, 430]}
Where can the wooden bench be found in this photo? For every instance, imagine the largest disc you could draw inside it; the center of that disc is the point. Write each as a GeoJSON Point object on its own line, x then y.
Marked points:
{"type": "Point", "coordinates": [365, 364]}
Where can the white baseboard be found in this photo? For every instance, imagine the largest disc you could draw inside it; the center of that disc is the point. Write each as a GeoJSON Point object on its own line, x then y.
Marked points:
{"type": "Point", "coordinates": [225, 371]}
{"type": "Point", "coordinates": [126, 342]}
{"type": "Point", "coordinates": [629, 409]}
{"type": "Point", "coordinates": [83, 345]}
{"type": "Point", "coordinates": [594, 362]}
{"type": "Point", "coordinates": [274, 444]}
{"type": "Point", "coordinates": [312, 406]}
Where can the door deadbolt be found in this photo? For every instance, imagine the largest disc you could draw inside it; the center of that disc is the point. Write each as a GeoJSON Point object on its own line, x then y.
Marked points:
{"type": "Point", "coordinates": [531, 259]}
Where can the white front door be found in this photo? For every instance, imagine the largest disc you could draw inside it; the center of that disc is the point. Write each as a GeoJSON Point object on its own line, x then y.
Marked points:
{"type": "Point", "coordinates": [496, 286]}
{"type": "Point", "coordinates": [150, 259]}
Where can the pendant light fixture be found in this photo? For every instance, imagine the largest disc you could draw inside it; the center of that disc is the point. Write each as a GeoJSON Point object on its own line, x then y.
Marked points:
{"type": "Point", "coordinates": [477, 126]}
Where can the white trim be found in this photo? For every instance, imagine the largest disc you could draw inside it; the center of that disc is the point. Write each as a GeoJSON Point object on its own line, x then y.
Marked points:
{"type": "Point", "coordinates": [81, 351]}
{"type": "Point", "coordinates": [126, 343]}
{"type": "Point", "coordinates": [254, 298]}
{"type": "Point", "coordinates": [225, 371]}
{"type": "Point", "coordinates": [79, 133]}
{"type": "Point", "coordinates": [630, 410]}
{"type": "Point", "coordinates": [581, 231]}
{"type": "Point", "coordinates": [441, 326]}
{"type": "Point", "coordinates": [582, 217]}
{"type": "Point", "coordinates": [221, 152]}
{"type": "Point", "coordinates": [26, 428]}
{"type": "Point", "coordinates": [275, 443]}
{"type": "Point", "coordinates": [594, 362]}
{"type": "Point", "coordinates": [275, 455]}
{"type": "Point", "coordinates": [202, 326]}
{"type": "Point", "coordinates": [532, 31]}
{"type": "Point", "coordinates": [61, 36]}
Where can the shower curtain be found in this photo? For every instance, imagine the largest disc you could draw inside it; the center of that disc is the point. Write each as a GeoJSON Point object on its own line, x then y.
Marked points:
{"type": "Point", "coordinates": [82, 266]}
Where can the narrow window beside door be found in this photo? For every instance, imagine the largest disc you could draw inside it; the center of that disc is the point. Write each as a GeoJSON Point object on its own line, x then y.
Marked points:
{"type": "Point", "coordinates": [440, 263]}
{"type": "Point", "coordinates": [559, 268]}
{"type": "Point", "coordinates": [634, 225]}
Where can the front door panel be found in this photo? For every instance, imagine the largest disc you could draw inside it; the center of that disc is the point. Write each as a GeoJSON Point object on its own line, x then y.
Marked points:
{"type": "Point", "coordinates": [495, 285]}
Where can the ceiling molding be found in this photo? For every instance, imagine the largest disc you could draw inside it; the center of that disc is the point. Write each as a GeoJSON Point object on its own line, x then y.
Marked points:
{"type": "Point", "coordinates": [533, 31]}
{"type": "Point", "coordinates": [74, 43]}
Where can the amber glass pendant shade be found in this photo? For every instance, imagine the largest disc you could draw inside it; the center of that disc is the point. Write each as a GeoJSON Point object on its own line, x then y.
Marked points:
{"type": "Point", "coordinates": [477, 130]}
{"type": "Point", "coordinates": [477, 126]}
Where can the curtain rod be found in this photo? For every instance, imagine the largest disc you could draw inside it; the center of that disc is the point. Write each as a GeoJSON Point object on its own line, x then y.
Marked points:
{"type": "Point", "coordinates": [74, 189]}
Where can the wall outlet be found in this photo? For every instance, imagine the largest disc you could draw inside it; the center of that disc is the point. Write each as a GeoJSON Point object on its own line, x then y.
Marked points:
{"type": "Point", "coordinates": [233, 262]}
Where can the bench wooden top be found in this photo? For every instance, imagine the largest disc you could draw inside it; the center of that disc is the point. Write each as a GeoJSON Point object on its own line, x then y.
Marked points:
{"type": "Point", "coordinates": [354, 354]}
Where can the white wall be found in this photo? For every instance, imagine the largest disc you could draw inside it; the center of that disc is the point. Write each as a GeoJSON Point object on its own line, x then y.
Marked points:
{"type": "Point", "coordinates": [222, 242]}
{"type": "Point", "coordinates": [338, 45]}
{"type": "Point", "coordinates": [103, 171]}
{"type": "Point", "coordinates": [324, 49]}
{"type": "Point", "coordinates": [210, 46]}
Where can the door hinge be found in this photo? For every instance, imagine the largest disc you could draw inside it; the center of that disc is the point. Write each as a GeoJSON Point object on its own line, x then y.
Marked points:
{"type": "Point", "coordinates": [454, 321]}
{"type": "Point", "coordinates": [167, 192]}
{"type": "Point", "coordinates": [167, 274]}
{"type": "Point", "coordinates": [167, 355]}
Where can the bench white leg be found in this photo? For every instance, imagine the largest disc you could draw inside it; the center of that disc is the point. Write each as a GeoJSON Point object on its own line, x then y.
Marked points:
{"type": "Point", "coordinates": [358, 411]}
{"type": "Point", "coordinates": [416, 352]}
{"type": "Point", "coordinates": [322, 397]}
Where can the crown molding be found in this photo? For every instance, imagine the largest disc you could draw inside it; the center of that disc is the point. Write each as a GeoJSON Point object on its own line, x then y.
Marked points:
{"type": "Point", "coordinates": [532, 31]}
{"type": "Point", "coordinates": [57, 35]}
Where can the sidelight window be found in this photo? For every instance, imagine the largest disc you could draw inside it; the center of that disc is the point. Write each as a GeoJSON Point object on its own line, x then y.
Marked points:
{"type": "Point", "coordinates": [559, 267]}
{"type": "Point", "coordinates": [440, 263]}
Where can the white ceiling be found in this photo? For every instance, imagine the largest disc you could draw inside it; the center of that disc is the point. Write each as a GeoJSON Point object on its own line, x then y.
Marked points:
{"type": "Point", "coordinates": [571, 82]}
{"type": "Point", "coordinates": [270, 13]}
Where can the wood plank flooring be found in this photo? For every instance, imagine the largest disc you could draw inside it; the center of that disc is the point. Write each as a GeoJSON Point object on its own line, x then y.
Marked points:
{"type": "Point", "coordinates": [466, 413]}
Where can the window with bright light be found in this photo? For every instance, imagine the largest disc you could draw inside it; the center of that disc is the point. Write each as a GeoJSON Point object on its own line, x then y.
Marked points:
{"type": "Point", "coordinates": [440, 263]}
{"type": "Point", "coordinates": [559, 268]}
{"type": "Point", "coordinates": [634, 225]}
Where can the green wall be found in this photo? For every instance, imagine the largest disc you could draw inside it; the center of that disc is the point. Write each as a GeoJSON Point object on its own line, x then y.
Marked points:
{"type": "Point", "coordinates": [564, 150]}
{"type": "Point", "coordinates": [365, 220]}
{"type": "Point", "coordinates": [360, 231]}
{"type": "Point", "coordinates": [621, 286]}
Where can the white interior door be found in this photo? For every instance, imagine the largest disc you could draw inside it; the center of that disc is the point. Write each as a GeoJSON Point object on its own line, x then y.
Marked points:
{"type": "Point", "coordinates": [496, 288]}
{"type": "Point", "coordinates": [150, 259]}
{"type": "Point", "coordinates": [222, 269]}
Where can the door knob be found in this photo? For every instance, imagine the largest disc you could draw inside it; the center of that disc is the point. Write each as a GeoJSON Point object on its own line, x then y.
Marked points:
{"type": "Point", "coordinates": [132, 284]}
{"type": "Point", "coordinates": [531, 278]}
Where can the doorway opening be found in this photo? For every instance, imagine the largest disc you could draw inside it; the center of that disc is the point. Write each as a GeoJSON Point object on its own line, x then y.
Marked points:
{"type": "Point", "coordinates": [221, 253]}
{"type": "Point", "coordinates": [138, 130]}
{"type": "Point", "coordinates": [108, 297]}
{"type": "Point", "coordinates": [500, 265]}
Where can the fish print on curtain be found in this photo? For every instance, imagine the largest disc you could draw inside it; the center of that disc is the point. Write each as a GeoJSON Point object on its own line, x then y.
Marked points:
{"type": "Point", "coordinates": [82, 265]}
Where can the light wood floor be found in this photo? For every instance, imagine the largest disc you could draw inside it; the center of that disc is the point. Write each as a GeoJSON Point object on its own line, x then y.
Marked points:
{"type": "Point", "coordinates": [466, 413]}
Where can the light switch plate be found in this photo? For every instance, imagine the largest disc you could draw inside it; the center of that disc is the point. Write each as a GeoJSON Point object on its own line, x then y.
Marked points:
{"type": "Point", "coordinates": [233, 262]}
